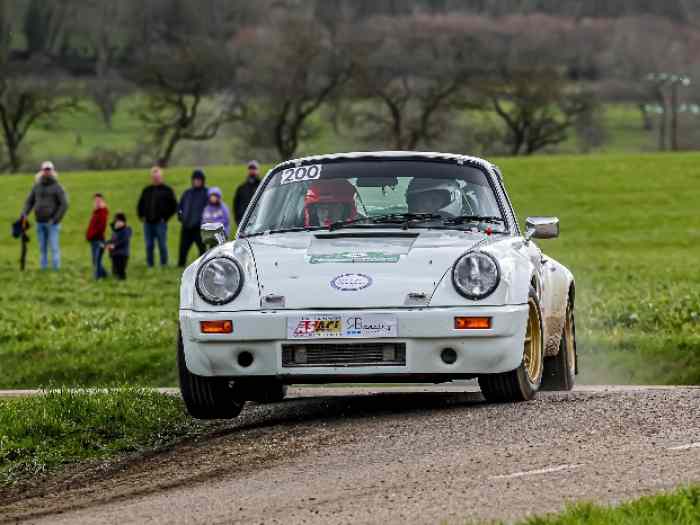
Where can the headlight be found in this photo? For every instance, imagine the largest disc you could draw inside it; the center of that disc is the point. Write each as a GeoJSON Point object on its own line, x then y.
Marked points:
{"type": "Point", "coordinates": [219, 280]}
{"type": "Point", "coordinates": [476, 275]}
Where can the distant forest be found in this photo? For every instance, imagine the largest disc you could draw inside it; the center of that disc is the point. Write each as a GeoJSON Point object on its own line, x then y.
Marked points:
{"type": "Point", "coordinates": [495, 76]}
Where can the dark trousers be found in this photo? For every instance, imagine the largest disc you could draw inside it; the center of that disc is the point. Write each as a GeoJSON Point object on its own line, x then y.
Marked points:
{"type": "Point", "coordinates": [156, 232]}
{"type": "Point", "coordinates": [97, 250]}
{"type": "Point", "coordinates": [119, 263]}
{"type": "Point", "coordinates": [188, 237]}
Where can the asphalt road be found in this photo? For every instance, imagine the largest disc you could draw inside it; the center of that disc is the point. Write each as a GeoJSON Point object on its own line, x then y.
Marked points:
{"type": "Point", "coordinates": [395, 455]}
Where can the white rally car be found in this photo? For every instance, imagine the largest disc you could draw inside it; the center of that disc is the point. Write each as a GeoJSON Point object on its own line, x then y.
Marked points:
{"type": "Point", "coordinates": [375, 267]}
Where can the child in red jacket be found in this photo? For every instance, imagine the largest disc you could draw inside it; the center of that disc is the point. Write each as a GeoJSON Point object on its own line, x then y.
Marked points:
{"type": "Point", "coordinates": [96, 235]}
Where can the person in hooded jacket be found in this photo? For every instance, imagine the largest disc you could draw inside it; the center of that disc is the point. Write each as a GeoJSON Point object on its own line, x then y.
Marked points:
{"type": "Point", "coordinates": [189, 212]}
{"type": "Point", "coordinates": [95, 234]}
{"type": "Point", "coordinates": [49, 201]}
{"type": "Point", "coordinates": [217, 211]}
{"type": "Point", "coordinates": [245, 192]}
{"type": "Point", "coordinates": [119, 246]}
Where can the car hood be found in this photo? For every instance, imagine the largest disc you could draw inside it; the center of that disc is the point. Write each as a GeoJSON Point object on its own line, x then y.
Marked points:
{"type": "Point", "coordinates": [392, 268]}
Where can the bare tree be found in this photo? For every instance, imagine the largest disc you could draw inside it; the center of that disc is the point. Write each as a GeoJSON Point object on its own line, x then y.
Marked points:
{"type": "Point", "coordinates": [187, 67]}
{"type": "Point", "coordinates": [105, 24]}
{"type": "Point", "coordinates": [29, 94]}
{"type": "Point", "coordinates": [529, 89]}
{"type": "Point", "coordinates": [416, 69]}
{"type": "Point", "coordinates": [537, 107]}
{"type": "Point", "coordinates": [293, 70]}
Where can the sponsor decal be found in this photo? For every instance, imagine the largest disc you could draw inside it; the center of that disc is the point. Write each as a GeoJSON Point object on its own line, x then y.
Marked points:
{"type": "Point", "coordinates": [351, 282]}
{"type": "Point", "coordinates": [343, 325]}
{"type": "Point", "coordinates": [354, 257]}
{"type": "Point", "coordinates": [327, 326]}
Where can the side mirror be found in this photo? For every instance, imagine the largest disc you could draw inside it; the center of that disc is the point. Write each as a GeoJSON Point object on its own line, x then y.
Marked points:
{"type": "Point", "coordinates": [213, 234]}
{"type": "Point", "coordinates": [541, 228]}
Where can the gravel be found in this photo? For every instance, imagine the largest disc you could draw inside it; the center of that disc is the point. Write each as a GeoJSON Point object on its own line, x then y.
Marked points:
{"type": "Point", "coordinates": [395, 455]}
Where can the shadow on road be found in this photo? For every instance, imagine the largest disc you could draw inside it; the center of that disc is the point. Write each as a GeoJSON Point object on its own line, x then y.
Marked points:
{"type": "Point", "coordinates": [357, 406]}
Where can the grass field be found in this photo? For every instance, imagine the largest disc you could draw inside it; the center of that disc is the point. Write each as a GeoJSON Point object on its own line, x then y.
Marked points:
{"type": "Point", "coordinates": [42, 434]}
{"type": "Point", "coordinates": [681, 507]}
{"type": "Point", "coordinates": [630, 231]}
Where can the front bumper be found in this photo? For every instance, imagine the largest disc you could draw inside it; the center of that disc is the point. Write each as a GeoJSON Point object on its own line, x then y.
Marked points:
{"type": "Point", "coordinates": [425, 332]}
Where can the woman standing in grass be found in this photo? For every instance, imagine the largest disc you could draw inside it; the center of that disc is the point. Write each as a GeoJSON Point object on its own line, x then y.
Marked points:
{"type": "Point", "coordinates": [216, 210]}
{"type": "Point", "coordinates": [96, 234]}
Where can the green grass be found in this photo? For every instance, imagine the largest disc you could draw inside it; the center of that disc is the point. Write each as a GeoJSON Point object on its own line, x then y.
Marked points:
{"type": "Point", "coordinates": [681, 507]}
{"type": "Point", "coordinates": [41, 434]}
{"type": "Point", "coordinates": [630, 233]}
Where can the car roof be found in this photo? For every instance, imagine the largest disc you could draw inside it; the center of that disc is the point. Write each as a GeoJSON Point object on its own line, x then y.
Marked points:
{"type": "Point", "coordinates": [392, 155]}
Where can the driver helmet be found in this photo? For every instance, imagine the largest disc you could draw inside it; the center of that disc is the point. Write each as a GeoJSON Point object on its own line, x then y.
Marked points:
{"type": "Point", "coordinates": [328, 201]}
{"type": "Point", "coordinates": [442, 196]}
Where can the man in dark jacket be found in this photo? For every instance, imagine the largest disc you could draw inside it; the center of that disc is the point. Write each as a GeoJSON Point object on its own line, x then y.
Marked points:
{"type": "Point", "coordinates": [245, 192]}
{"type": "Point", "coordinates": [189, 211]}
{"type": "Point", "coordinates": [49, 201]}
{"type": "Point", "coordinates": [156, 205]}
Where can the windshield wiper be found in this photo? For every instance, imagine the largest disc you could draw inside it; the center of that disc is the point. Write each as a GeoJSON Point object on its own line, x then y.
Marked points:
{"type": "Point", "coordinates": [389, 218]}
{"type": "Point", "coordinates": [461, 219]}
{"type": "Point", "coordinates": [285, 230]}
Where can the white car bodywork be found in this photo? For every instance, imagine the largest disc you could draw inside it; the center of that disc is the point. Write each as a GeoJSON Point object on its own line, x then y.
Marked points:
{"type": "Point", "coordinates": [398, 283]}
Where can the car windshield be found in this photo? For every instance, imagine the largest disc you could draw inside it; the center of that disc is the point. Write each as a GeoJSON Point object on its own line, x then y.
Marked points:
{"type": "Point", "coordinates": [380, 193]}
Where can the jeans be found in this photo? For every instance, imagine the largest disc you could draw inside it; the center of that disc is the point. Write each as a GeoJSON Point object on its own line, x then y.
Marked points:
{"type": "Point", "coordinates": [188, 237]}
{"type": "Point", "coordinates": [47, 233]}
{"type": "Point", "coordinates": [156, 231]}
{"type": "Point", "coordinates": [97, 249]}
{"type": "Point", "coordinates": [119, 263]}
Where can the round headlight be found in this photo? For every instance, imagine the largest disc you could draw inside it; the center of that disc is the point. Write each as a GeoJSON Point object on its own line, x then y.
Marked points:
{"type": "Point", "coordinates": [219, 280]}
{"type": "Point", "coordinates": [476, 275]}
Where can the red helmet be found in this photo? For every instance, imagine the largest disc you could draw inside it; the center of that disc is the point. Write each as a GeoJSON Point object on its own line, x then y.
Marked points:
{"type": "Point", "coordinates": [329, 191]}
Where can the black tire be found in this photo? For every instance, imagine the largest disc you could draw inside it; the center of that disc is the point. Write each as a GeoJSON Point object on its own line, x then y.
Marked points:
{"type": "Point", "coordinates": [263, 391]}
{"type": "Point", "coordinates": [205, 397]}
{"type": "Point", "coordinates": [517, 385]}
{"type": "Point", "coordinates": [560, 370]}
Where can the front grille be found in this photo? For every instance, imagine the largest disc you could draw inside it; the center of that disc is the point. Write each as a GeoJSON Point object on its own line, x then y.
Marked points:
{"type": "Point", "coordinates": [349, 354]}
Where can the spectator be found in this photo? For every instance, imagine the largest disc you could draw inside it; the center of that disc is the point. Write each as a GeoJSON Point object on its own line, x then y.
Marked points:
{"type": "Point", "coordinates": [216, 210]}
{"type": "Point", "coordinates": [189, 213]}
{"type": "Point", "coordinates": [156, 205]}
{"type": "Point", "coordinates": [245, 192]}
{"type": "Point", "coordinates": [49, 201]}
{"type": "Point", "coordinates": [119, 246]}
{"type": "Point", "coordinates": [96, 234]}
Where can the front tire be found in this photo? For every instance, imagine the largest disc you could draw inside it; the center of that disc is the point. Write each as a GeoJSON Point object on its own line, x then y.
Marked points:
{"type": "Point", "coordinates": [560, 369]}
{"type": "Point", "coordinates": [205, 397]}
{"type": "Point", "coordinates": [522, 383]}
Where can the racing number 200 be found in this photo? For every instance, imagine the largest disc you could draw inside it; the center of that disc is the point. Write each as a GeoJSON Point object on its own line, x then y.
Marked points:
{"type": "Point", "coordinates": [301, 173]}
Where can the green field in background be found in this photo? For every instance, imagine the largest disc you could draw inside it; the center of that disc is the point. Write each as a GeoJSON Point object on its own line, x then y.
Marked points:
{"type": "Point", "coordinates": [630, 229]}
{"type": "Point", "coordinates": [74, 136]}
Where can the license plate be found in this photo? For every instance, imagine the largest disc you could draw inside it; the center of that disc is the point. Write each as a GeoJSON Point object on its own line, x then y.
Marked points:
{"type": "Point", "coordinates": [319, 326]}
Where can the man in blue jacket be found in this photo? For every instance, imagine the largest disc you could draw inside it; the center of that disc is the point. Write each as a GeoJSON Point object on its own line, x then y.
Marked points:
{"type": "Point", "coordinates": [189, 212]}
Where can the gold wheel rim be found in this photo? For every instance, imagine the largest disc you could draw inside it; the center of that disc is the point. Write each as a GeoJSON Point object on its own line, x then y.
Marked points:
{"type": "Point", "coordinates": [570, 342]}
{"type": "Point", "coordinates": [532, 352]}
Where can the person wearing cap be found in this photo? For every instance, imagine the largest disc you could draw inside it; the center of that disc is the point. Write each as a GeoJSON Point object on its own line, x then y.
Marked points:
{"type": "Point", "coordinates": [189, 213]}
{"type": "Point", "coordinates": [245, 192]}
{"type": "Point", "coordinates": [95, 234]}
{"type": "Point", "coordinates": [49, 201]}
{"type": "Point", "coordinates": [155, 208]}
